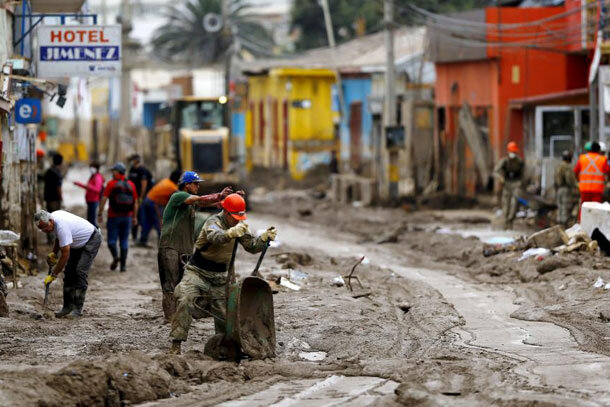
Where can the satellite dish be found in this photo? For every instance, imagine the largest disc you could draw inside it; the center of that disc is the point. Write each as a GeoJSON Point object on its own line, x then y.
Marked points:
{"type": "Point", "coordinates": [212, 22]}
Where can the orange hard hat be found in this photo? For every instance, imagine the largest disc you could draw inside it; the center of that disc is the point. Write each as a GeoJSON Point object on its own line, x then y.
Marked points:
{"type": "Point", "coordinates": [40, 153]}
{"type": "Point", "coordinates": [235, 205]}
{"type": "Point", "coordinates": [512, 147]}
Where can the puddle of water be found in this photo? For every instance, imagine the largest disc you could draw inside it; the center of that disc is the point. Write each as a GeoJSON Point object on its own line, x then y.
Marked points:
{"type": "Point", "coordinates": [332, 391]}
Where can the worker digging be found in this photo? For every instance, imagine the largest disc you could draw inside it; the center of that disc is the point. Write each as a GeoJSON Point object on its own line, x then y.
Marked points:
{"type": "Point", "coordinates": [177, 234]}
{"type": "Point", "coordinates": [76, 245]}
{"type": "Point", "coordinates": [205, 275]}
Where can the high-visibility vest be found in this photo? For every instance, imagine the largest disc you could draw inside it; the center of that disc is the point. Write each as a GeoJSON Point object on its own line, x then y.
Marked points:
{"type": "Point", "coordinates": [591, 177]}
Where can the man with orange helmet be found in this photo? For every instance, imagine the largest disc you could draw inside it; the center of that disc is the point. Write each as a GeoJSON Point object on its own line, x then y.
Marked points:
{"type": "Point", "coordinates": [509, 172]}
{"type": "Point", "coordinates": [177, 234]}
{"type": "Point", "coordinates": [205, 275]}
{"type": "Point", "coordinates": [591, 170]}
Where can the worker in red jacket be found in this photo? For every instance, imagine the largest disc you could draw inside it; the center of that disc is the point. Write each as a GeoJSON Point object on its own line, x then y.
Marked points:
{"type": "Point", "coordinates": [591, 170]}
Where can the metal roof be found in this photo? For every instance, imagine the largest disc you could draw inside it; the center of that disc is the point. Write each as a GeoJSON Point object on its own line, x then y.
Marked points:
{"type": "Point", "coordinates": [365, 54]}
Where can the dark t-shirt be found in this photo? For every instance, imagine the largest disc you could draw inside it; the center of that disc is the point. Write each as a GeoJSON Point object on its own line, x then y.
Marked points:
{"type": "Point", "coordinates": [136, 175]}
{"type": "Point", "coordinates": [52, 181]}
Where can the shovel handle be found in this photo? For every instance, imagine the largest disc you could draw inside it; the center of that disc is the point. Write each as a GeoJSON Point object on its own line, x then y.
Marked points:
{"type": "Point", "coordinates": [260, 259]}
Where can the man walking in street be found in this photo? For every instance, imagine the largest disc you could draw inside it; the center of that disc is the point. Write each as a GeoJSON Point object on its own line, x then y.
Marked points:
{"type": "Point", "coordinates": [77, 244]}
{"type": "Point", "coordinates": [154, 204]}
{"type": "Point", "coordinates": [591, 170]}
{"type": "Point", "coordinates": [143, 180]}
{"type": "Point", "coordinates": [177, 234]}
{"type": "Point", "coordinates": [52, 188]}
{"type": "Point", "coordinates": [566, 187]}
{"type": "Point", "coordinates": [122, 213]}
{"type": "Point", "coordinates": [205, 275]}
{"type": "Point", "coordinates": [510, 172]}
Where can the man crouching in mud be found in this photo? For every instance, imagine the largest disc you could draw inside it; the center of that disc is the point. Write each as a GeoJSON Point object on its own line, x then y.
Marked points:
{"type": "Point", "coordinates": [205, 275]}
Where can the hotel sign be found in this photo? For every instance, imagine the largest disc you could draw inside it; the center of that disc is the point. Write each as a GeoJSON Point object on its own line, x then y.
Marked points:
{"type": "Point", "coordinates": [78, 50]}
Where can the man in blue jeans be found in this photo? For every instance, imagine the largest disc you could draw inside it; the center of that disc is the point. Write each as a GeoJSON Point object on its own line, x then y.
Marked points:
{"type": "Point", "coordinates": [122, 213]}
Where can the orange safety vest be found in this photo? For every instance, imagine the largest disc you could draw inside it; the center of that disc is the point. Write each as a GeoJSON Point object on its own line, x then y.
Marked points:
{"type": "Point", "coordinates": [591, 177]}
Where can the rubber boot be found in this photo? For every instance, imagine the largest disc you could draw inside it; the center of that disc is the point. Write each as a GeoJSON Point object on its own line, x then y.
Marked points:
{"type": "Point", "coordinates": [115, 258]}
{"type": "Point", "coordinates": [68, 302]}
{"type": "Point", "coordinates": [176, 348]}
{"type": "Point", "coordinates": [79, 301]}
{"type": "Point", "coordinates": [169, 306]}
{"type": "Point", "coordinates": [123, 260]}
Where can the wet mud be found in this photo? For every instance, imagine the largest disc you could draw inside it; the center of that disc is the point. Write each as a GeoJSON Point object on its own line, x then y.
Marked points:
{"type": "Point", "coordinates": [431, 324]}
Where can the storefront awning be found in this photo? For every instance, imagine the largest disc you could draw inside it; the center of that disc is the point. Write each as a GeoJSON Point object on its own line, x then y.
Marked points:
{"type": "Point", "coordinates": [56, 6]}
{"type": "Point", "coordinates": [568, 97]}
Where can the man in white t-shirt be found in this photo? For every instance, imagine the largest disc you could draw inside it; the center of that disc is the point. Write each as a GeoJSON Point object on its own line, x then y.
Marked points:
{"type": "Point", "coordinates": [77, 241]}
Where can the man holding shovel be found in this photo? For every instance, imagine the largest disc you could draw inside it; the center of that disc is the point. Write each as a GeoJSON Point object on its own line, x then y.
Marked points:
{"type": "Point", "coordinates": [205, 275]}
{"type": "Point", "coordinates": [76, 245]}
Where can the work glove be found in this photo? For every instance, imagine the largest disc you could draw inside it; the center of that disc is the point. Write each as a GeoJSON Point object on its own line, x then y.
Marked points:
{"type": "Point", "coordinates": [49, 279]}
{"type": "Point", "coordinates": [52, 259]}
{"type": "Point", "coordinates": [269, 234]}
{"type": "Point", "coordinates": [226, 192]}
{"type": "Point", "coordinates": [237, 231]}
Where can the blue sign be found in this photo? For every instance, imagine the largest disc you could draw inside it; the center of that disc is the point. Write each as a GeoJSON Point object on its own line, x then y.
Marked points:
{"type": "Point", "coordinates": [28, 111]}
{"type": "Point", "coordinates": [79, 53]}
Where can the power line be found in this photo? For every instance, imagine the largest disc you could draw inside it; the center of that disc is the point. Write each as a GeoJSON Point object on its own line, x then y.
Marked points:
{"type": "Point", "coordinates": [453, 20]}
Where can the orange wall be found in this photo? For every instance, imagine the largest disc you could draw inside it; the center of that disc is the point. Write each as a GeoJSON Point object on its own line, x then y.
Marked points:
{"type": "Point", "coordinates": [475, 83]}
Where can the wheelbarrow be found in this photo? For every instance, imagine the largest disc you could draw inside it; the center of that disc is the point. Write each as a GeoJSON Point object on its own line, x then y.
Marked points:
{"type": "Point", "coordinates": [250, 323]}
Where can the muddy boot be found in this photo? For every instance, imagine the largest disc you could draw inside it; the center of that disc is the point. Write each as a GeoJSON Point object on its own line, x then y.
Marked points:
{"type": "Point", "coordinates": [176, 348]}
{"type": "Point", "coordinates": [115, 258]}
{"type": "Point", "coordinates": [123, 260]}
{"type": "Point", "coordinates": [68, 303]}
{"type": "Point", "coordinates": [169, 306]}
{"type": "Point", "coordinates": [79, 301]}
{"type": "Point", "coordinates": [3, 306]}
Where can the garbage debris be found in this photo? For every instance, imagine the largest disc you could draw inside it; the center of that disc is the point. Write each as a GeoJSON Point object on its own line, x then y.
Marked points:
{"type": "Point", "coordinates": [552, 263]}
{"type": "Point", "coordinates": [548, 238]}
{"type": "Point", "coordinates": [501, 244]}
{"type": "Point", "coordinates": [338, 282]}
{"type": "Point", "coordinates": [601, 241]}
{"type": "Point", "coordinates": [296, 275]}
{"type": "Point", "coordinates": [599, 283]}
{"type": "Point", "coordinates": [539, 253]}
{"type": "Point", "coordinates": [8, 237]}
{"type": "Point", "coordinates": [284, 282]}
{"type": "Point", "coordinates": [351, 276]}
{"type": "Point", "coordinates": [313, 356]}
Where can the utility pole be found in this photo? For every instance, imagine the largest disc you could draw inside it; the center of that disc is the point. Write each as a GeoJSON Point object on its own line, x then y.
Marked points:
{"type": "Point", "coordinates": [330, 34]}
{"type": "Point", "coordinates": [390, 93]}
{"type": "Point", "coordinates": [125, 112]}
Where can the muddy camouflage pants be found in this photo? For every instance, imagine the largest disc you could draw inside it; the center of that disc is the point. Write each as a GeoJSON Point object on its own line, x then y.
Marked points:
{"type": "Point", "coordinates": [199, 289]}
{"type": "Point", "coordinates": [565, 205]}
{"type": "Point", "coordinates": [509, 201]}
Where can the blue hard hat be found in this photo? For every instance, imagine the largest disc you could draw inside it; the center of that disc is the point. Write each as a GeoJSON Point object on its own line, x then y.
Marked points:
{"type": "Point", "coordinates": [190, 176]}
{"type": "Point", "coordinates": [120, 167]}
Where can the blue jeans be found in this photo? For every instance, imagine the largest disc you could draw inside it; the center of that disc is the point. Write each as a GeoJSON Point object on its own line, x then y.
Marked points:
{"type": "Point", "coordinates": [118, 229]}
{"type": "Point", "coordinates": [92, 213]}
{"type": "Point", "coordinates": [149, 219]}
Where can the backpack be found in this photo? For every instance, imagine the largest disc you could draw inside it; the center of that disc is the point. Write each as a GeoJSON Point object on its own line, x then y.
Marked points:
{"type": "Point", "coordinates": [121, 197]}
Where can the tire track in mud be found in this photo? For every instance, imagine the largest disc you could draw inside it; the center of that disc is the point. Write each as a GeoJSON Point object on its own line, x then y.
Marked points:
{"type": "Point", "coordinates": [547, 356]}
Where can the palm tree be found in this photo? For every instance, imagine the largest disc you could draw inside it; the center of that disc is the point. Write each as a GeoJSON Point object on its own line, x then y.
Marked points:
{"type": "Point", "coordinates": [191, 35]}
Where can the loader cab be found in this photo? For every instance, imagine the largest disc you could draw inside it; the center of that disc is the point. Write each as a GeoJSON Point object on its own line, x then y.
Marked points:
{"type": "Point", "coordinates": [202, 136]}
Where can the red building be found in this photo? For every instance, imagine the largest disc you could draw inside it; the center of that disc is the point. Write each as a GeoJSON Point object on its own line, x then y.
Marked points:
{"type": "Point", "coordinates": [522, 73]}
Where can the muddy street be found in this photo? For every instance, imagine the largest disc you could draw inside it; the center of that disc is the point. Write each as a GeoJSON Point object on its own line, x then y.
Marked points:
{"type": "Point", "coordinates": [435, 323]}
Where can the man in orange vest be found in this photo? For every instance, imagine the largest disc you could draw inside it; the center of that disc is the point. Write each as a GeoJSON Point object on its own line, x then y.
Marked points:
{"type": "Point", "coordinates": [591, 170]}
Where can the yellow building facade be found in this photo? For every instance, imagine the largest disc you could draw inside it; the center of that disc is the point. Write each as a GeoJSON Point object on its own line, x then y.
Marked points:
{"type": "Point", "coordinates": [289, 121]}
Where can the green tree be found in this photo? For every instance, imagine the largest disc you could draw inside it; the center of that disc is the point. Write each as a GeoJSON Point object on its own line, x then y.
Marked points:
{"type": "Point", "coordinates": [307, 16]}
{"type": "Point", "coordinates": [184, 36]}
